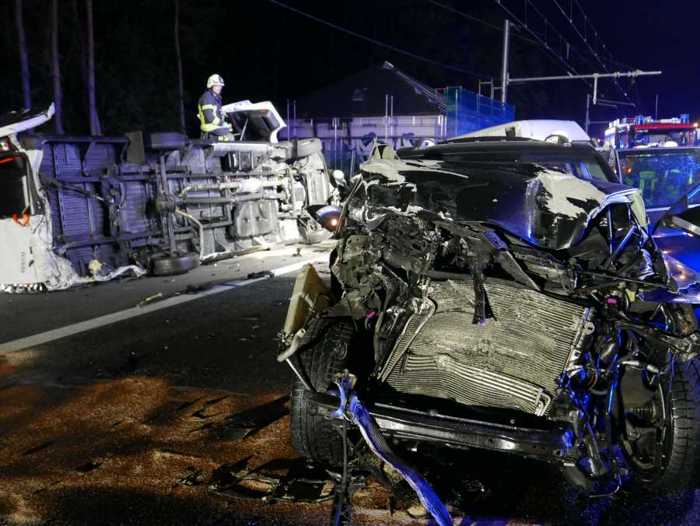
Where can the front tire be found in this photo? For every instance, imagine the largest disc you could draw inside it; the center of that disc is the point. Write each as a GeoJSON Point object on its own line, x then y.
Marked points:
{"type": "Point", "coordinates": [313, 435]}
{"type": "Point", "coordinates": [665, 457]}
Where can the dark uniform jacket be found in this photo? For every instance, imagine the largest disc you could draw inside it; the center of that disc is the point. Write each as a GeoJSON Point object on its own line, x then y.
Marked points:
{"type": "Point", "coordinates": [211, 119]}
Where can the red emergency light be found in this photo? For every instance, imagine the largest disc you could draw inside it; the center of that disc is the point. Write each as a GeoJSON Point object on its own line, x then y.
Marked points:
{"type": "Point", "coordinates": [10, 159]}
{"type": "Point", "coordinates": [664, 126]}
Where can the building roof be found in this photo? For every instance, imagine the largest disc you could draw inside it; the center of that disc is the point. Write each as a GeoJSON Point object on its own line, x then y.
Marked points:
{"type": "Point", "coordinates": [364, 94]}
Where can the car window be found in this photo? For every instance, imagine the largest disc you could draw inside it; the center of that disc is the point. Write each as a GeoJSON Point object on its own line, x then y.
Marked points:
{"type": "Point", "coordinates": [594, 170]}
{"type": "Point", "coordinates": [587, 169]}
{"type": "Point", "coordinates": [663, 177]}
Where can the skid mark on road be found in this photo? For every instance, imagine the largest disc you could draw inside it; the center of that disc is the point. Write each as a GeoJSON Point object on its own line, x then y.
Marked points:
{"type": "Point", "coordinates": [109, 319]}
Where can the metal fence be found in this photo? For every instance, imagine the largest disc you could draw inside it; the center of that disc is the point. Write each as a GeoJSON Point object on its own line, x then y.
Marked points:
{"type": "Point", "coordinates": [348, 142]}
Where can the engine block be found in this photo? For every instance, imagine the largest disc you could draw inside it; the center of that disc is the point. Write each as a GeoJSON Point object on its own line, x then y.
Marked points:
{"type": "Point", "coordinates": [512, 361]}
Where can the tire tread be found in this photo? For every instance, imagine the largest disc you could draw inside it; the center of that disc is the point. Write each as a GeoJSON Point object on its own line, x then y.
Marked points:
{"type": "Point", "coordinates": [314, 436]}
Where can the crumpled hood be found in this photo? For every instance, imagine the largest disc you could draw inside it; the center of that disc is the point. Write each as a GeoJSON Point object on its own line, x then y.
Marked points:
{"type": "Point", "coordinates": [547, 208]}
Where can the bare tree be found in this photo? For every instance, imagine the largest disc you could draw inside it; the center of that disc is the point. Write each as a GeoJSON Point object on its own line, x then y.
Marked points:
{"type": "Point", "coordinates": [181, 91]}
{"type": "Point", "coordinates": [95, 128]}
{"type": "Point", "coordinates": [23, 55]}
{"type": "Point", "coordinates": [56, 69]}
{"type": "Point", "coordinates": [79, 33]}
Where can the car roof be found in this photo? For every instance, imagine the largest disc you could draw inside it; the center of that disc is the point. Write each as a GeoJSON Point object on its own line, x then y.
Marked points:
{"type": "Point", "coordinates": [538, 129]}
{"type": "Point", "coordinates": [494, 148]}
{"type": "Point", "coordinates": [510, 152]}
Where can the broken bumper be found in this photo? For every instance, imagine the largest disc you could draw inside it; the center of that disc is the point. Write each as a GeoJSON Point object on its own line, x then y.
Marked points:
{"type": "Point", "coordinates": [409, 424]}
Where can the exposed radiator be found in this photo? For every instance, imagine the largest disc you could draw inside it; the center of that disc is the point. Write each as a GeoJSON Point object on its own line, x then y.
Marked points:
{"type": "Point", "coordinates": [510, 362]}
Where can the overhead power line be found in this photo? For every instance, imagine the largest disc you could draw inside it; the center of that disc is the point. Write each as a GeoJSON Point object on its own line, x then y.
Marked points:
{"type": "Point", "coordinates": [542, 40]}
{"type": "Point", "coordinates": [567, 50]}
{"type": "Point", "coordinates": [585, 38]}
{"type": "Point", "coordinates": [570, 50]}
{"type": "Point", "coordinates": [376, 42]}
{"type": "Point", "coordinates": [587, 21]}
{"type": "Point", "coordinates": [470, 17]}
{"type": "Point", "coordinates": [496, 27]}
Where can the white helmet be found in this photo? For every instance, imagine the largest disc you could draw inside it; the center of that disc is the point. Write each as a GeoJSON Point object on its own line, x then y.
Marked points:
{"type": "Point", "coordinates": [215, 80]}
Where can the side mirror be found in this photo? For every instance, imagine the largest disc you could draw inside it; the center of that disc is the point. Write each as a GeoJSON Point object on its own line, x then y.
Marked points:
{"type": "Point", "coordinates": [681, 215]}
{"type": "Point", "coordinates": [327, 216]}
{"type": "Point", "coordinates": [688, 220]}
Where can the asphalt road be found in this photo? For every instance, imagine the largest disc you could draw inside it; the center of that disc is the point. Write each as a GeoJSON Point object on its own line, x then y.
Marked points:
{"type": "Point", "coordinates": [146, 417]}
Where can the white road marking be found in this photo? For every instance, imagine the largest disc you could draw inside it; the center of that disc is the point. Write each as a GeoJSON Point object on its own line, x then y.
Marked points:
{"type": "Point", "coordinates": [109, 319]}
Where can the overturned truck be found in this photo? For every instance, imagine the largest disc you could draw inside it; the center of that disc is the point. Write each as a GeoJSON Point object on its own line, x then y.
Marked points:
{"type": "Point", "coordinates": [80, 209]}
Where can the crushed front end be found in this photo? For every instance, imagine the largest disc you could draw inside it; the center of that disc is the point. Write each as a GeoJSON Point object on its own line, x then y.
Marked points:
{"type": "Point", "coordinates": [500, 307]}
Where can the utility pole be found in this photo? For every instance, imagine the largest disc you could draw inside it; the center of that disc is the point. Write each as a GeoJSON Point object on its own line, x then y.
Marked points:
{"type": "Point", "coordinates": [588, 112]}
{"type": "Point", "coordinates": [504, 65]}
{"type": "Point", "coordinates": [178, 55]}
{"type": "Point", "coordinates": [23, 55]}
{"type": "Point", "coordinates": [656, 108]}
{"type": "Point", "coordinates": [95, 128]}
{"type": "Point", "coordinates": [56, 70]}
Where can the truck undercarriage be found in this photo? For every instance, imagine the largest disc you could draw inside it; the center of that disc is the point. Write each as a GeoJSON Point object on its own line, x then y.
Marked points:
{"type": "Point", "coordinates": [94, 207]}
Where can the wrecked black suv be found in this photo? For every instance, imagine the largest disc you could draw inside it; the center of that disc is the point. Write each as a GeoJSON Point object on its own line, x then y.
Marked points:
{"type": "Point", "coordinates": [505, 295]}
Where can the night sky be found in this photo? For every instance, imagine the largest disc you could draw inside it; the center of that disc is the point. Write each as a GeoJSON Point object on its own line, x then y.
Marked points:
{"type": "Point", "coordinates": [654, 34]}
{"type": "Point", "coordinates": [267, 52]}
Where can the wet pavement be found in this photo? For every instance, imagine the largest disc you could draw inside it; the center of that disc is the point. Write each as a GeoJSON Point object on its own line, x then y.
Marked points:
{"type": "Point", "coordinates": [179, 416]}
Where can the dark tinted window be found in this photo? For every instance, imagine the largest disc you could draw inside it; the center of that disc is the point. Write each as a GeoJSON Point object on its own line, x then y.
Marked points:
{"type": "Point", "coordinates": [12, 169]}
{"type": "Point", "coordinates": [581, 163]}
{"type": "Point", "coordinates": [583, 168]}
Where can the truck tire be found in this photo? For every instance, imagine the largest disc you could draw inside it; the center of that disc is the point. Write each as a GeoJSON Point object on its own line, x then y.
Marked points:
{"type": "Point", "coordinates": [313, 435]}
{"type": "Point", "coordinates": [681, 447]}
{"type": "Point", "coordinates": [306, 147]}
{"type": "Point", "coordinates": [166, 141]}
{"type": "Point", "coordinates": [174, 265]}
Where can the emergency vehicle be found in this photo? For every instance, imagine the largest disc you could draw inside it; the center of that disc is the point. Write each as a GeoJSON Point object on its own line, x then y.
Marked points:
{"type": "Point", "coordinates": [645, 132]}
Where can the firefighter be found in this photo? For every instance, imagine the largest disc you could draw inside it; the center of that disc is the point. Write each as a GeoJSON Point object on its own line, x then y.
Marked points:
{"type": "Point", "coordinates": [211, 119]}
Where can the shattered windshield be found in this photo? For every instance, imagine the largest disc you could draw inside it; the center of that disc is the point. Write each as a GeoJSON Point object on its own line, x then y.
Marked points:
{"type": "Point", "coordinates": [662, 176]}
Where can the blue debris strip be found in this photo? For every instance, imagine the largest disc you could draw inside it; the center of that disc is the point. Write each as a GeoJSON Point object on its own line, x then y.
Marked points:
{"type": "Point", "coordinates": [352, 409]}
{"type": "Point", "coordinates": [468, 521]}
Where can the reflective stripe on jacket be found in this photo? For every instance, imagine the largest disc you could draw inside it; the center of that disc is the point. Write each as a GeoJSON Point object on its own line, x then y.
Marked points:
{"type": "Point", "coordinates": [209, 112]}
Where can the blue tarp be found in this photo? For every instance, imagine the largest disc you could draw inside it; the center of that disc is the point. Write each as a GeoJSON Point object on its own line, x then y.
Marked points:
{"type": "Point", "coordinates": [468, 111]}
